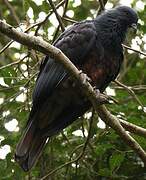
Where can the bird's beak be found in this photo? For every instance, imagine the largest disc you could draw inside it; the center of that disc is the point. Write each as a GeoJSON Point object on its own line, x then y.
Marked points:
{"type": "Point", "coordinates": [134, 27]}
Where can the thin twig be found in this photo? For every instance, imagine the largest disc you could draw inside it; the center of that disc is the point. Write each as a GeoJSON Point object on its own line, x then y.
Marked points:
{"type": "Point", "coordinates": [131, 92]}
{"type": "Point", "coordinates": [21, 91]}
{"type": "Point", "coordinates": [137, 51]}
{"type": "Point", "coordinates": [6, 46]}
{"type": "Point", "coordinates": [57, 30]}
{"type": "Point", "coordinates": [69, 19]}
{"type": "Point", "coordinates": [46, 18]}
{"type": "Point", "coordinates": [134, 88]}
{"type": "Point", "coordinates": [57, 15]}
{"type": "Point", "coordinates": [13, 63]}
{"type": "Point", "coordinates": [13, 13]}
{"type": "Point", "coordinates": [65, 138]}
{"type": "Point", "coordinates": [102, 5]}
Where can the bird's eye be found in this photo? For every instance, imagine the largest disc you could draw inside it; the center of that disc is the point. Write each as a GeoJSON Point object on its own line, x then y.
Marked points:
{"type": "Point", "coordinates": [127, 13]}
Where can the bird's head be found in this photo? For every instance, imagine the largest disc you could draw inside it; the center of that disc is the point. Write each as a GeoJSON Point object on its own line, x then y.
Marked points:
{"type": "Point", "coordinates": [126, 16]}
{"type": "Point", "coordinates": [114, 23]}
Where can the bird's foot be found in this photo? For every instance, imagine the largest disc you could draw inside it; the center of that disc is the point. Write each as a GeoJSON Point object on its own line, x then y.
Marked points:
{"type": "Point", "coordinates": [85, 77]}
{"type": "Point", "coordinates": [102, 98]}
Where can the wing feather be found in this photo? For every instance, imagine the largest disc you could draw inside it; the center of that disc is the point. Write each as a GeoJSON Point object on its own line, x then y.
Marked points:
{"type": "Point", "coordinates": [75, 42]}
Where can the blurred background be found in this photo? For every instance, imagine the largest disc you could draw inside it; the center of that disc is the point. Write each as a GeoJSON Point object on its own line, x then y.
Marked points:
{"type": "Point", "coordinates": [106, 156]}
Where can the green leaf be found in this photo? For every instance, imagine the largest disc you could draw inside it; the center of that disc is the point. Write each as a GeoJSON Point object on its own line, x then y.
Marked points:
{"type": "Point", "coordinates": [26, 5]}
{"type": "Point", "coordinates": [115, 160]}
{"type": "Point", "coordinates": [104, 172]}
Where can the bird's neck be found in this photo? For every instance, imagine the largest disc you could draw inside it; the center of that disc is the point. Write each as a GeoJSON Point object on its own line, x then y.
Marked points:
{"type": "Point", "coordinates": [110, 32]}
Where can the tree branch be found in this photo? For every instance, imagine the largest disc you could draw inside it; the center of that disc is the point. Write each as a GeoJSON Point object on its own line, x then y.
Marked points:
{"type": "Point", "coordinates": [57, 15]}
{"type": "Point", "coordinates": [112, 121]}
{"type": "Point", "coordinates": [133, 128]}
{"type": "Point", "coordinates": [44, 47]}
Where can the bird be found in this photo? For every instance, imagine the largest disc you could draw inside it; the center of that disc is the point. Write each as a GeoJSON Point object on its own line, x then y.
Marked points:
{"type": "Point", "coordinates": [95, 48]}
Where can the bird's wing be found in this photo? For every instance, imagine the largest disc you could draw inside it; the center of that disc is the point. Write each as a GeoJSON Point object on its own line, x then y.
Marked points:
{"type": "Point", "coordinates": [76, 42]}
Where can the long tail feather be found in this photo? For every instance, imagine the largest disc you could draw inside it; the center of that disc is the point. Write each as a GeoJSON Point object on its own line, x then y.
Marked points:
{"type": "Point", "coordinates": [29, 148]}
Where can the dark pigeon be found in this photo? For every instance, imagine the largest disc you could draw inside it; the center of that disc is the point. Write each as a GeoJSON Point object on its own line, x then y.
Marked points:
{"type": "Point", "coordinates": [95, 47]}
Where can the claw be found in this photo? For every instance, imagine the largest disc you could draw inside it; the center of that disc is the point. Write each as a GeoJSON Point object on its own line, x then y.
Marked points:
{"type": "Point", "coordinates": [84, 77]}
{"type": "Point", "coordinates": [101, 98]}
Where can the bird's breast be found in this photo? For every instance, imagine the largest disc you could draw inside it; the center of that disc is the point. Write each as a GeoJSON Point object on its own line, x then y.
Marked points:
{"type": "Point", "coordinates": [102, 70]}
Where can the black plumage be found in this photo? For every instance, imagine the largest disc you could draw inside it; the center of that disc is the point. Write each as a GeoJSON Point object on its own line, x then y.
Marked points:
{"type": "Point", "coordinates": [95, 48]}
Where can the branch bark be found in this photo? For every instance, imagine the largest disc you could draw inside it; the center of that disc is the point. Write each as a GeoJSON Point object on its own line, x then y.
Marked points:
{"type": "Point", "coordinates": [44, 47]}
{"type": "Point", "coordinates": [133, 128]}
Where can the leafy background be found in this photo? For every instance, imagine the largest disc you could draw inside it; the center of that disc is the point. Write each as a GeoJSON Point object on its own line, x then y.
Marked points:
{"type": "Point", "coordinates": [106, 155]}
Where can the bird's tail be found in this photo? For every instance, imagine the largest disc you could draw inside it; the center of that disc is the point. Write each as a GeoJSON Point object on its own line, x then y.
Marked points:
{"type": "Point", "coordinates": [29, 148]}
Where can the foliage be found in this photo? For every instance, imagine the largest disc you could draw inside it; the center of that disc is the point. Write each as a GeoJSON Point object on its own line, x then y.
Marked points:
{"type": "Point", "coordinates": [106, 155]}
